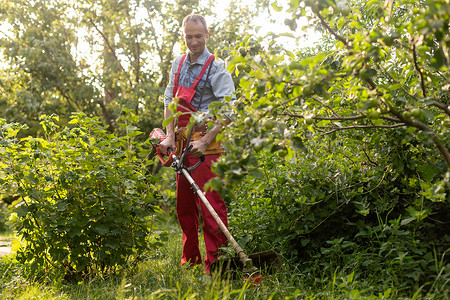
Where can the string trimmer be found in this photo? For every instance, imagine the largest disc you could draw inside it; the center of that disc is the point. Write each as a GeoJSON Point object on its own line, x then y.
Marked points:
{"type": "Point", "coordinates": [248, 264]}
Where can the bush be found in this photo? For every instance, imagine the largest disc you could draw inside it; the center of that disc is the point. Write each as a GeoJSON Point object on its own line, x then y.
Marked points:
{"type": "Point", "coordinates": [4, 216]}
{"type": "Point", "coordinates": [338, 207]}
{"type": "Point", "coordinates": [84, 203]}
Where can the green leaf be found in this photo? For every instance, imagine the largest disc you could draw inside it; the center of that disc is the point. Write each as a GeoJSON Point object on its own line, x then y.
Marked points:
{"type": "Point", "coordinates": [112, 244]}
{"type": "Point", "coordinates": [61, 206]}
{"type": "Point", "coordinates": [428, 172]}
{"type": "Point", "coordinates": [101, 229]}
{"type": "Point", "coordinates": [167, 121]}
{"type": "Point", "coordinates": [134, 133]}
{"type": "Point", "coordinates": [437, 61]}
{"type": "Point", "coordinates": [32, 178]}
{"type": "Point", "coordinates": [21, 210]}
{"type": "Point", "coordinates": [276, 7]}
{"type": "Point", "coordinates": [256, 173]}
{"type": "Point", "coordinates": [297, 142]}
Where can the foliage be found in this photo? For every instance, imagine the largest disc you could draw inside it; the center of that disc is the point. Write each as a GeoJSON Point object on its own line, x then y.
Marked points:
{"type": "Point", "coordinates": [328, 215]}
{"type": "Point", "coordinates": [42, 75]}
{"type": "Point", "coordinates": [85, 203]}
{"type": "Point", "coordinates": [4, 216]}
{"type": "Point", "coordinates": [338, 156]}
{"type": "Point", "coordinates": [98, 57]}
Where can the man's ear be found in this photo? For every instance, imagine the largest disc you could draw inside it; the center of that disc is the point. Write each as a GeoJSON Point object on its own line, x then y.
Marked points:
{"type": "Point", "coordinates": [207, 33]}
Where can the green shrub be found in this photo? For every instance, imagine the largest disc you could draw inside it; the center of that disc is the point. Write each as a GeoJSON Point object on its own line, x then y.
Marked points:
{"type": "Point", "coordinates": [4, 216]}
{"type": "Point", "coordinates": [84, 203]}
{"type": "Point", "coordinates": [337, 208]}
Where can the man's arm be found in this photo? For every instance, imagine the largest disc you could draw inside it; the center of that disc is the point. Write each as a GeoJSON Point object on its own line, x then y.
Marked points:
{"type": "Point", "coordinates": [199, 147]}
{"type": "Point", "coordinates": [169, 142]}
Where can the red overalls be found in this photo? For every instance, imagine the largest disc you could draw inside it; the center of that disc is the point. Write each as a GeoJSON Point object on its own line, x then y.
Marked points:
{"type": "Point", "coordinates": [187, 201]}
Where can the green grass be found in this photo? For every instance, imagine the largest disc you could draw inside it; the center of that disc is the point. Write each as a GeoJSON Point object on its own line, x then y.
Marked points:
{"type": "Point", "coordinates": [160, 277]}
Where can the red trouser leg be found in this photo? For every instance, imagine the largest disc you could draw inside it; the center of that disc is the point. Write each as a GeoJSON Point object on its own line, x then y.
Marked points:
{"type": "Point", "coordinates": [188, 215]}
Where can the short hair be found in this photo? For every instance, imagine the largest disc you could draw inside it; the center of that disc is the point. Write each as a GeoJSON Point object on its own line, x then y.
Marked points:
{"type": "Point", "coordinates": [195, 18]}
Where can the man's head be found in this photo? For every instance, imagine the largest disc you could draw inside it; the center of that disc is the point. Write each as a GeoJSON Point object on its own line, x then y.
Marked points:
{"type": "Point", "coordinates": [195, 33]}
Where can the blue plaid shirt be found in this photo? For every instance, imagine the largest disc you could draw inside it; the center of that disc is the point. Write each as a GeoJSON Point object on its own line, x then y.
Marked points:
{"type": "Point", "coordinates": [218, 86]}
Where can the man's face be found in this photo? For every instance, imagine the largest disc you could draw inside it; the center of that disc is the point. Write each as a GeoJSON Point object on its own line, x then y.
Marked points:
{"type": "Point", "coordinates": [195, 37]}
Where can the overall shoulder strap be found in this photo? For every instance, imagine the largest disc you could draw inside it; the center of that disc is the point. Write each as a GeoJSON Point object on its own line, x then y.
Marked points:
{"type": "Point", "coordinates": [197, 80]}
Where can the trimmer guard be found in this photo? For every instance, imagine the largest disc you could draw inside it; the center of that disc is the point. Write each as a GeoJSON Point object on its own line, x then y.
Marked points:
{"type": "Point", "coordinates": [266, 261]}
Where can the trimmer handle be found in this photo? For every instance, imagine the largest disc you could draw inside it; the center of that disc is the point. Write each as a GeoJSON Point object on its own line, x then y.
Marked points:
{"type": "Point", "coordinates": [169, 161]}
{"type": "Point", "coordinates": [158, 134]}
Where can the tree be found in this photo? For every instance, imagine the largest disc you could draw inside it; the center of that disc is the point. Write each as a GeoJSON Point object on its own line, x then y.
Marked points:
{"type": "Point", "coordinates": [99, 57]}
{"type": "Point", "coordinates": [340, 152]}
{"type": "Point", "coordinates": [42, 74]}
{"type": "Point", "coordinates": [391, 76]}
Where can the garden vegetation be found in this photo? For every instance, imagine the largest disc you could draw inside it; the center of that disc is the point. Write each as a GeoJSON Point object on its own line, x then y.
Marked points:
{"type": "Point", "coordinates": [337, 157]}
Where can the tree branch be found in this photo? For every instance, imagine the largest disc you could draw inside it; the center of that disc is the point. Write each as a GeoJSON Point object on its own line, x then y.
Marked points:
{"type": "Point", "coordinates": [105, 38]}
{"type": "Point", "coordinates": [442, 106]}
{"type": "Point", "coordinates": [416, 66]}
{"type": "Point", "coordinates": [360, 127]}
{"type": "Point", "coordinates": [106, 116]}
{"type": "Point", "coordinates": [330, 30]}
{"type": "Point", "coordinates": [442, 148]}
{"type": "Point", "coordinates": [69, 99]}
{"type": "Point", "coordinates": [371, 83]}
{"type": "Point", "coordinates": [417, 124]}
{"type": "Point", "coordinates": [396, 120]}
{"type": "Point", "coordinates": [368, 157]}
{"type": "Point", "coordinates": [337, 118]}
{"type": "Point", "coordinates": [434, 103]}
{"type": "Point", "coordinates": [137, 50]}
{"type": "Point", "coordinates": [324, 105]}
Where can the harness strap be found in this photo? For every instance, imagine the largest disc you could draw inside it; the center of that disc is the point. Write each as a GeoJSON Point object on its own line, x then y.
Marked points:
{"type": "Point", "coordinates": [196, 80]}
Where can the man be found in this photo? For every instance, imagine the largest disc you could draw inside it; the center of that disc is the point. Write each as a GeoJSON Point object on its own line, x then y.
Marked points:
{"type": "Point", "coordinates": [197, 79]}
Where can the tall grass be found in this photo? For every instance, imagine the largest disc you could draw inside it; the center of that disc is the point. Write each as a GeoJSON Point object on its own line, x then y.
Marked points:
{"type": "Point", "coordinates": [160, 277]}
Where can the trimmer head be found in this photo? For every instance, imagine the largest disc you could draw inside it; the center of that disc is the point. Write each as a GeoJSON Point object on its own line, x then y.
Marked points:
{"type": "Point", "coordinates": [267, 262]}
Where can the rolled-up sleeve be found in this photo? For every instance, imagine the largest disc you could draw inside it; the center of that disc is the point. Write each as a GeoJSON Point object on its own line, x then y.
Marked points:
{"type": "Point", "coordinates": [222, 83]}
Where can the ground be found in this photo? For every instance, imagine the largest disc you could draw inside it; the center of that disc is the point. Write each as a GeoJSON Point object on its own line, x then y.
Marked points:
{"type": "Point", "coordinates": [5, 246]}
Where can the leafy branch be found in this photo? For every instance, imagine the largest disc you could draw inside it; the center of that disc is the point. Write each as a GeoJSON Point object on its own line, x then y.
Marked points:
{"type": "Point", "coordinates": [409, 122]}
{"type": "Point", "coordinates": [330, 30]}
{"type": "Point", "coordinates": [418, 124]}
{"type": "Point", "coordinates": [360, 127]}
{"type": "Point", "coordinates": [337, 118]}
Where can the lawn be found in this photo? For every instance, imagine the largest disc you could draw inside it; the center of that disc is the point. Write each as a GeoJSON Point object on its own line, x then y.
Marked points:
{"type": "Point", "coordinates": [159, 276]}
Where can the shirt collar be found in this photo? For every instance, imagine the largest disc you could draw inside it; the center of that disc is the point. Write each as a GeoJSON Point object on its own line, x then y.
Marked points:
{"type": "Point", "coordinates": [201, 60]}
